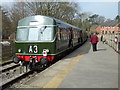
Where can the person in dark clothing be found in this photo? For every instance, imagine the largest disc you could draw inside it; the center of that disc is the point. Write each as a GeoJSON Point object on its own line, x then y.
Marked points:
{"type": "Point", "coordinates": [101, 38]}
{"type": "Point", "coordinates": [94, 41]}
{"type": "Point", "coordinates": [90, 35]}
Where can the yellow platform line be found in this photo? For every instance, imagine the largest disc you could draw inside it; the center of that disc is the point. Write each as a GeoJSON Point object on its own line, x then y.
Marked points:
{"type": "Point", "coordinates": [56, 81]}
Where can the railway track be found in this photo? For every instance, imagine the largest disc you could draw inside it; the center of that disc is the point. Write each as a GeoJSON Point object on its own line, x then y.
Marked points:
{"type": "Point", "coordinates": [5, 63]}
{"type": "Point", "coordinates": [10, 72]}
{"type": "Point", "coordinates": [14, 79]}
{"type": "Point", "coordinates": [8, 67]}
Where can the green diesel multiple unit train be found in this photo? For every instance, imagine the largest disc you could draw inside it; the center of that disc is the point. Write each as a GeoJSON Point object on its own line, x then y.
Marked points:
{"type": "Point", "coordinates": [40, 39]}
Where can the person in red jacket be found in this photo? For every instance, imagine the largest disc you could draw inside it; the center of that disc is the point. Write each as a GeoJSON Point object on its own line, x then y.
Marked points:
{"type": "Point", "coordinates": [94, 41]}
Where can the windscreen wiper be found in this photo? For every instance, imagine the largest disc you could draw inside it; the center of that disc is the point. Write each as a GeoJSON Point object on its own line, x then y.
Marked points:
{"type": "Point", "coordinates": [43, 30]}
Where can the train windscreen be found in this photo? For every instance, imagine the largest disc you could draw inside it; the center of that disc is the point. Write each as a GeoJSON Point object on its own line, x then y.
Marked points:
{"type": "Point", "coordinates": [35, 34]}
{"type": "Point", "coordinates": [22, 34]}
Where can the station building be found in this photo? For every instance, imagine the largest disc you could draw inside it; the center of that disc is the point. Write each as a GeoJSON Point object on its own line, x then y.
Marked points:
{"type": "Point", "coordinates": [112, 27]}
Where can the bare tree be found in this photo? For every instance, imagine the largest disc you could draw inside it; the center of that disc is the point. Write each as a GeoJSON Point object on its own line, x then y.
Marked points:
{"type": "Point", "coordinates": [62, 10]}
{"type": "Point", "coordinates": [6, 24]}
{"type": "Point", "coordinates": [96, 19]}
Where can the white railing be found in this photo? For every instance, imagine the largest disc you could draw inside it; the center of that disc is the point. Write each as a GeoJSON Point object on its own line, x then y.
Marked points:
{"type": "Point", "coordinates": [113, 40]}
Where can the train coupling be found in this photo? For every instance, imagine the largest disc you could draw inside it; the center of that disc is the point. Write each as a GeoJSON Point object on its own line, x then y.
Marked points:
{"type": "Point", "coordinates": [33, 61]}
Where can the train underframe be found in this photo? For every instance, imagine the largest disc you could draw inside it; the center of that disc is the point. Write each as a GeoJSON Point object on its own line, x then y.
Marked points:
{"type": "Point", "coordinates": [39, 62]}
{"type": "Point", "coordinates": [33, 62]}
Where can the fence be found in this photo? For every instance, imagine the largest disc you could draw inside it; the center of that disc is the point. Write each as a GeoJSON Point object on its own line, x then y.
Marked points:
{"type": "Point", "coordinates": [113, 40]}
{"type": "Point", "coordinates": [8, 50]}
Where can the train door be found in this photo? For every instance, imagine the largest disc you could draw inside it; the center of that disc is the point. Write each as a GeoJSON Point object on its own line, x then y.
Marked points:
{"type": "Point", "coordinates": [78, 36]}
{"type": "Point", "coordinates": [70, 38]}
{"type": "Point", "coordinates": [58, 39]}
{"type": "Point", "coordinates": [81, 37]}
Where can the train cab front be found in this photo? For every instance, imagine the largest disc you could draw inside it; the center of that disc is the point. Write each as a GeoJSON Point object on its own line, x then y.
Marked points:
{"type": "Point", "coordinates": [35, 40]}
{"type": "Point", "coordinates": [41, 60]}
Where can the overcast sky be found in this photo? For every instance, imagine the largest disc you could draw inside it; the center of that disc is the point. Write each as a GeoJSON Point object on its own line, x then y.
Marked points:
{"type": "Point", "coordinates": [106, 8]}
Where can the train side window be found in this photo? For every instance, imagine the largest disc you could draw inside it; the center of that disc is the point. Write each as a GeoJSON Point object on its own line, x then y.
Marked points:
{"type": "Point", "coordinates": [59, 34]}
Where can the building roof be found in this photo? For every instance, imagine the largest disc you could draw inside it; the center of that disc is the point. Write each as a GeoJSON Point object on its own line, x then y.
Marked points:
{"type": "Point", "coordinates": [110, 23]}
{"type": "Point", "coordinates": [94, 26]}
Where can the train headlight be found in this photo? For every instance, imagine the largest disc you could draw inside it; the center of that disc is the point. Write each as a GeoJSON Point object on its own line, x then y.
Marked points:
{"type": "Point", "coordinates": [19, 50]}
{"type": "Point", "coordinates": [45, 51]}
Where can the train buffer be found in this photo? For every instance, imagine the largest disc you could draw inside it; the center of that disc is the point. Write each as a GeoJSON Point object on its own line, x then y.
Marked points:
{"type": "Point", "coordinates": [83, 68]}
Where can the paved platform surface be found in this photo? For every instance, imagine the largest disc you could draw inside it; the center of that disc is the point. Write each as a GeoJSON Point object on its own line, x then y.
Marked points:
{"type": "Point", "coordinates": [94, 70]}
{"type": "Point", "coordinates": [83, 68]}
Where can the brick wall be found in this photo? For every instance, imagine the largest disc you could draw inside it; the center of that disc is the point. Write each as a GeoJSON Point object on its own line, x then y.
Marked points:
{"type": "Point", "coordinates": [108, 29]}
{"type": "Point", "coordinates": [98, 29]}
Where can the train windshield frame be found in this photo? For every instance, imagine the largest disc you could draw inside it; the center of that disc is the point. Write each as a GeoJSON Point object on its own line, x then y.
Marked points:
{"type": "Point", "coordinates": [35, 34]}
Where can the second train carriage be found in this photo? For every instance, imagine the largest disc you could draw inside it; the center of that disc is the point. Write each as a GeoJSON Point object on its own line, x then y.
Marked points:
{"type": "Point", "coordinates": [39, 39]}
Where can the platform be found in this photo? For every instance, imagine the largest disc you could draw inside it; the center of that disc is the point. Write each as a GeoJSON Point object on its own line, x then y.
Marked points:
{"type": "Point", "coordinates": [83, 68]}
{"type": "Point", "coordinates": [94, 70]}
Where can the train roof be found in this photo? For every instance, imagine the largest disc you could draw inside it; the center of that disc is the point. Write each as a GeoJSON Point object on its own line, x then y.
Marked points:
{"type": "Point", "coordinates": [59, 22]}
{"type": "Point", "coordinates": [62, 23]}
